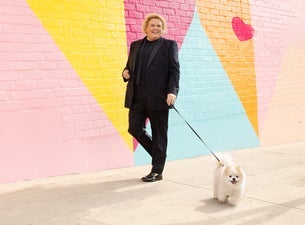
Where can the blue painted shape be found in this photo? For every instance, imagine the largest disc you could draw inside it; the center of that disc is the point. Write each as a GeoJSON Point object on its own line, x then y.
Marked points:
{"type": "Point", "coordinates": [208, 101]}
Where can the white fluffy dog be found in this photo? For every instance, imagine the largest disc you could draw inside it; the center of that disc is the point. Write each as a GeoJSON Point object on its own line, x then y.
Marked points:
{"type": "Point", "coordinates": [229, 180]}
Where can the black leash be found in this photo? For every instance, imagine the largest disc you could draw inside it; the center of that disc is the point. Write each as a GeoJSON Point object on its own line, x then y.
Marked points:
{"type": "Point", "coordinates": [196, 133]}
{"type": "Point", "coordinates": [155, 91]}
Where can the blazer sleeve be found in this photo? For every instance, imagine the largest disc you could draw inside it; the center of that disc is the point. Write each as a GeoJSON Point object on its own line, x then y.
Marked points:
{"type": "Point", "coordinates": [174, 69]}
{"type": "Point", "coordinates": [129, 62]}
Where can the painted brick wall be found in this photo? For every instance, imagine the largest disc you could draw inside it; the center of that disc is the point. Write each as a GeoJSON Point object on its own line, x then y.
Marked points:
{"type": "Point", "coordinates": [61, 91]}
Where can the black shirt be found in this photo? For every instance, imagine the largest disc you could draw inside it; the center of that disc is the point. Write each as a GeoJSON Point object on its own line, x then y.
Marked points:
{"type": "Point", "coordinates": [142, 60]}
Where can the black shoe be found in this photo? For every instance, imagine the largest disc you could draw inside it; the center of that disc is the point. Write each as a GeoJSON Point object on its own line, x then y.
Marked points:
{"type": "Point", "coordinates": [152, 177]}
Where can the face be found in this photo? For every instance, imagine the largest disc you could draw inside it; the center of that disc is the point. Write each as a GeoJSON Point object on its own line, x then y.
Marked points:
{"type": "Point", "coordinates": [154, 29]}
{"type": "Point", "coordinates": [234, 174]}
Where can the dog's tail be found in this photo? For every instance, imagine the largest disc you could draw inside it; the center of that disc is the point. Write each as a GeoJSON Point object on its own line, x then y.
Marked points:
{"type": "Point", "coordinates": [225, 159]}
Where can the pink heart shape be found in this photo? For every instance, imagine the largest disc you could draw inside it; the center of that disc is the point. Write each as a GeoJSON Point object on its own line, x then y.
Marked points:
{"type": "Point", "coordinates": [243, 31]}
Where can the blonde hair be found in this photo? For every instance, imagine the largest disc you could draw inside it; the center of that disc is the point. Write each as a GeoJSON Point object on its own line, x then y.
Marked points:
{"type": "Point", "coordinates": [153, 16]}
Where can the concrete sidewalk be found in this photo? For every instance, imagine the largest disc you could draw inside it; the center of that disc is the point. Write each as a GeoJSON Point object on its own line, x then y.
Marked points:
{"type": "Point", "coordinates": [275, 194]}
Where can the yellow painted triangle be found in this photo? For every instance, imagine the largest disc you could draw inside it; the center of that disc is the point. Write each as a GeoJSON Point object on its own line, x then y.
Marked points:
{"type": "Point", "coordinates": [92, 36]}
{"type": "Point", "coordinates": [237, 57]}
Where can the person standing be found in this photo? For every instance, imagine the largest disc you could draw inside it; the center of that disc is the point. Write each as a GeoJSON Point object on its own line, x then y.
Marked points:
{"type": "Point", "coordinates": [152, 72]}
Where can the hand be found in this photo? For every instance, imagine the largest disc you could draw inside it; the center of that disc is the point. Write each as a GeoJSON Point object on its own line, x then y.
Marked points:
{"type": "Point", "coordinates": [126, 74]}
{"type": "Point", "coordinates": [170, 99]}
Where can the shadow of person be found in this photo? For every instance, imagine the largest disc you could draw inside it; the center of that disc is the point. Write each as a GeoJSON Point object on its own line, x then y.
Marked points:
{"type": "Point", "coordinates": [267, 213]}
{"type": "Point", "coordinates": [71, 202]}
{"type": "Point", "coordinates": [245, 217]}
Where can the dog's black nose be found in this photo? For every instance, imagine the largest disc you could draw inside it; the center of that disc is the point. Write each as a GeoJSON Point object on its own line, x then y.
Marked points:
{"type": "Point", "coordinates": [234, 179]}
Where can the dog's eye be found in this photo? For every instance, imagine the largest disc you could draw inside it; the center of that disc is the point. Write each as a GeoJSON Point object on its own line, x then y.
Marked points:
{"type": "Point", "coordinates": [230, 176]}
{"type": "Point", "coordinates": [236, 176]}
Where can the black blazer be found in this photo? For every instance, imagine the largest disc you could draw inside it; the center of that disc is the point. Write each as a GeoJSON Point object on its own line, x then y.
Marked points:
{"type": "Point", "coordinates": [162, 73]}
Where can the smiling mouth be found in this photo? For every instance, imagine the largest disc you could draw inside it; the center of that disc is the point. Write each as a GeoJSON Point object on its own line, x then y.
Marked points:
{"type": "Point", "coordinates": [233, 181]}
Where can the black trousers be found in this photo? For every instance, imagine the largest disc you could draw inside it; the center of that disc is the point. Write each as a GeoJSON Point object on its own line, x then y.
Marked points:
{"type": "Point", "coordinates": [156, 144]}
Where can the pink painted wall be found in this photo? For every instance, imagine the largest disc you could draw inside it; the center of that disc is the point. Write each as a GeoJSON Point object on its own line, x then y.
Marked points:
{"type": "Point", "coordinates": [279, 49]}
{"type": "Point", "coordinates": [50, 124]}
{"type": "Point", "coordinates": [283, 119]}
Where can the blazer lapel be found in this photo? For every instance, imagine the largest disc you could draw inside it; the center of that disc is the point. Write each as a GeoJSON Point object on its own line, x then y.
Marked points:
{"type": "Point", "coordinates": [137, 48]}
{"type": "Point", "coordinates": [154, 51]}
